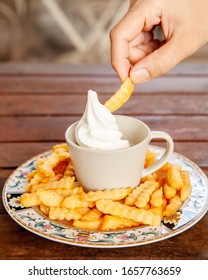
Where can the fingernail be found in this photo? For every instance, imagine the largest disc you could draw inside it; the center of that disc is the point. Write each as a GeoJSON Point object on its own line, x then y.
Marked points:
{"type": "Point", "coordinates": [140, 76]}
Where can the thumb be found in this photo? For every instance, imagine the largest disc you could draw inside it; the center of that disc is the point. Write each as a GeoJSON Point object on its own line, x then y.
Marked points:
{"type": "Point", "coordinates": [158, 62]}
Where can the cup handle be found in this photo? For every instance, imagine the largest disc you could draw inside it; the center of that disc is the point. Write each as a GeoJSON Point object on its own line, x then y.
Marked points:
{"type": "Point", "coordinates": [166, 155]}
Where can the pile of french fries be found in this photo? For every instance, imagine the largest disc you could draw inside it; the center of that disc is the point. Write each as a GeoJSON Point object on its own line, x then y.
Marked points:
{"type": "Point", "coordinates": [54, 189]}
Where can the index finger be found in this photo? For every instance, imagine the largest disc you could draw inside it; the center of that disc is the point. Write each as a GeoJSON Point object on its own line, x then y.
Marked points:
{"type": "Point", "coordinates": [125, 31]}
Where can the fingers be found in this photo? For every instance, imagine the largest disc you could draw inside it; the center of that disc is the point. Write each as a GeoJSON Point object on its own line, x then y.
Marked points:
{"type": "Point", "coordinates": [158, 62]}
{"type": "Point", "coordinates": [131, 3]}
{"type": "Point", "coordinates": [127, 30]}
{"type": "Point", "coordinates": [141, 38]}
{"type": "Point", "coordinates": [138, 52]}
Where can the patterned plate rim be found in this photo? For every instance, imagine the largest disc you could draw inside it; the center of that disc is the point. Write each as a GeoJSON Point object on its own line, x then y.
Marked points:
{"type": "Point", "coordinates": [60, 239]}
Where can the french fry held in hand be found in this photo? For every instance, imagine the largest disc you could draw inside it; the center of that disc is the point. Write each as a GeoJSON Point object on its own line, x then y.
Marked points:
{"type": "Point", "coordinates": [121, 96]}
{"type": "Point", "coordinates": [61, 198]}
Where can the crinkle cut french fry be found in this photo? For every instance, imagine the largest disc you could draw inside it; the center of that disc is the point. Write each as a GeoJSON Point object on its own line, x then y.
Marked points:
{"type": "Point", "coordinates": [91, 225]}
{"type": "Point", "coordinates": [174, 204]}
{"type": "Point", "coordinates": [157, 211]}
{"type": "Point", "coordinates": [50, 197]}
{"type": "Point", "coordinates": [69, 171]}
{"type": "Point", "coordinates": [147, 189]}
{"type": "Point", "coordinates": [150, 155]}
{"type": "Point", "coordinates": [185, 191]}
{"type": "Point", "coordinates": [125, 211]}
{"type": "Point", "coordinates": [44, 181]}
{"type": "Point", "coordinates": [37, 178]}
{"type": "Point", "coordinates": [30, 199]}
{"type": "Point", "coordinates": [152, 177]}
{"type": "Point", "coordinates": [61, 167]}
{"type": "Point", "coordinates": [92, 215]}
{"type": "Point", "coordinates": [169, 192]}
{"type": "Point", "coordinates": [148, 186]}
{"type": "Point", "coordinates": [174, 178]}
{"type": "Point", "coordinates": [83, 210]}
{"type": "Point", "coordinates": [76, 201]}
{"type": "Point", "coordinates": [141, 194]}
{"type": "Point", "coordinates": [150, 158]}
{"type": "Point", "coordinates": [121, 96]}
{"type": "Point", "coordinates": [68, 192]}
{"type": "Point", "coordinates": [113, 194]}
{"type": "Point", "coordinates": [64, 183]}
{"type": "Point", "coordinates": [46, 165]}
{"type": "Point", "coordinates": [58, 213]}
{"type": "Point", "coordinates": [61, 150]}
{"type": "Point", "coordinates": [114, 222]}
{"type": "Point", "coordinates": [156, 198]}
{"type": "Point", "coordinates": [44, 209]}
{"type": "Point", "coordinates": [31, 175]}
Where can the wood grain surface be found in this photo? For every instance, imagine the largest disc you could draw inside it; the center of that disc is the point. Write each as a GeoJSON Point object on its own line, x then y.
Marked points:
{"type": "Point", "coordinates": [38, 103]}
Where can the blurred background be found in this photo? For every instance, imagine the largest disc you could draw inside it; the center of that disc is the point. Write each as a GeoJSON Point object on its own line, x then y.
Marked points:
{"type": "Point", "coordinates": [62, 31]}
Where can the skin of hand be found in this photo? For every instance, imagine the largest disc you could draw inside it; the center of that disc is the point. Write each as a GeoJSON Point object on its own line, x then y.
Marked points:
{"type": "Point", "coordinates": [135, 52]}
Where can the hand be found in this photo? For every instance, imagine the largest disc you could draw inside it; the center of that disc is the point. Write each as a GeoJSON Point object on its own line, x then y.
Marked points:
{"type": "Point", "coordinates": [134, 51]}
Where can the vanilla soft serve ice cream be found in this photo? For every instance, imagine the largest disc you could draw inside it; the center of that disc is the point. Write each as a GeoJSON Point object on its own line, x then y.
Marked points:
{"type": "Point", "coordinates": [97, 128]}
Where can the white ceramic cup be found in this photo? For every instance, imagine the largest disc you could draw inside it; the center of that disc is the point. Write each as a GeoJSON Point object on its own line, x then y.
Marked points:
{"type": "Point", "coordinates": [100, 169]}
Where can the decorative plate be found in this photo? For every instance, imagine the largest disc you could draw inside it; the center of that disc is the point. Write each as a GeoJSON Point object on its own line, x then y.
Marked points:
{"type": "Point", "coordinates": [189, 214]}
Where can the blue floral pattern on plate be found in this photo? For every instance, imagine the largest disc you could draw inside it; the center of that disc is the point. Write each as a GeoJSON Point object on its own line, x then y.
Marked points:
{"type": "Point", "coordinates": [30, 218]}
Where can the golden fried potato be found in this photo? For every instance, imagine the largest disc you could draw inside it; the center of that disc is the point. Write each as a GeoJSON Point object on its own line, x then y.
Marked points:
{"type": "Point", "coordinates": [113, 194]}
{"type": "Point", "coordinates": [185, 191]}
{"type": "Point", "coordinates": [50, 197]}
{"type": "Point", "coordinates": [169, 192]}
{"type": "Point", "coordinates": [69, 171]}
{"type": "Point", "coordinates": [58, 213]}
{"type": "Point", "coordinates": [151, 177]}
{"type": "Point", "coordinates": [124, 211]}
{"type": "Point", "coordinates": [114, 222]}
{"type": "Point", "coordinates": [61, 167]}
{"type": "Point", "coordinates": [46, 165]}
{"type": "Point", "coordinates": [164, 203]}
{"type": "Point", "coordinates": [64, 183]}
{"type": "Point", "coordinates": [30, 199]}
{"type": "Point", "coordinates": [83, 210]}
{"type": "Point", "coordinates": [91, 225]}
{"type": "Point", "coordinates": [174, 204]}
{"type": "Point", "coordinates": [174, 178]}
{"type": "Point", "coordinates": [68, 192]}
{"type": "Point", "coordinates": [37, 179]}
{"type": "Point", "coordinates": [156, 198]}
{"type": "Point", "coordinates": [147, 206]}
{"type": "Point", "coordinates": [157, 211]}
{"type": "Point", "coordinates": [43, 183]}
{"type": "Point", "coordinates": [165, 167]}
{"type": "Point", "coordinates": [150, 158]}
{"type": "Point", "coordinates": [121, 96]}
{"type": "Point", "coordinates": [146, 191]}
{"type": "Point", "coordinates": [44, 209]}
{"type": "Point", "coordinates": [76, 201]}
{"type": "Point", "coordinates": [30, 176]}
{"type": "Point", "coordinates": [92, 215]}
{"type": "Point", "coordinates": [61, 150]}
{"type": "Point", "coordinates": [141, 193]}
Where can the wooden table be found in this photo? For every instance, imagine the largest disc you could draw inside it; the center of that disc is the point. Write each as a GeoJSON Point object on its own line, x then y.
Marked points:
{"type": "Point", "coordinates": [38, 103]}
